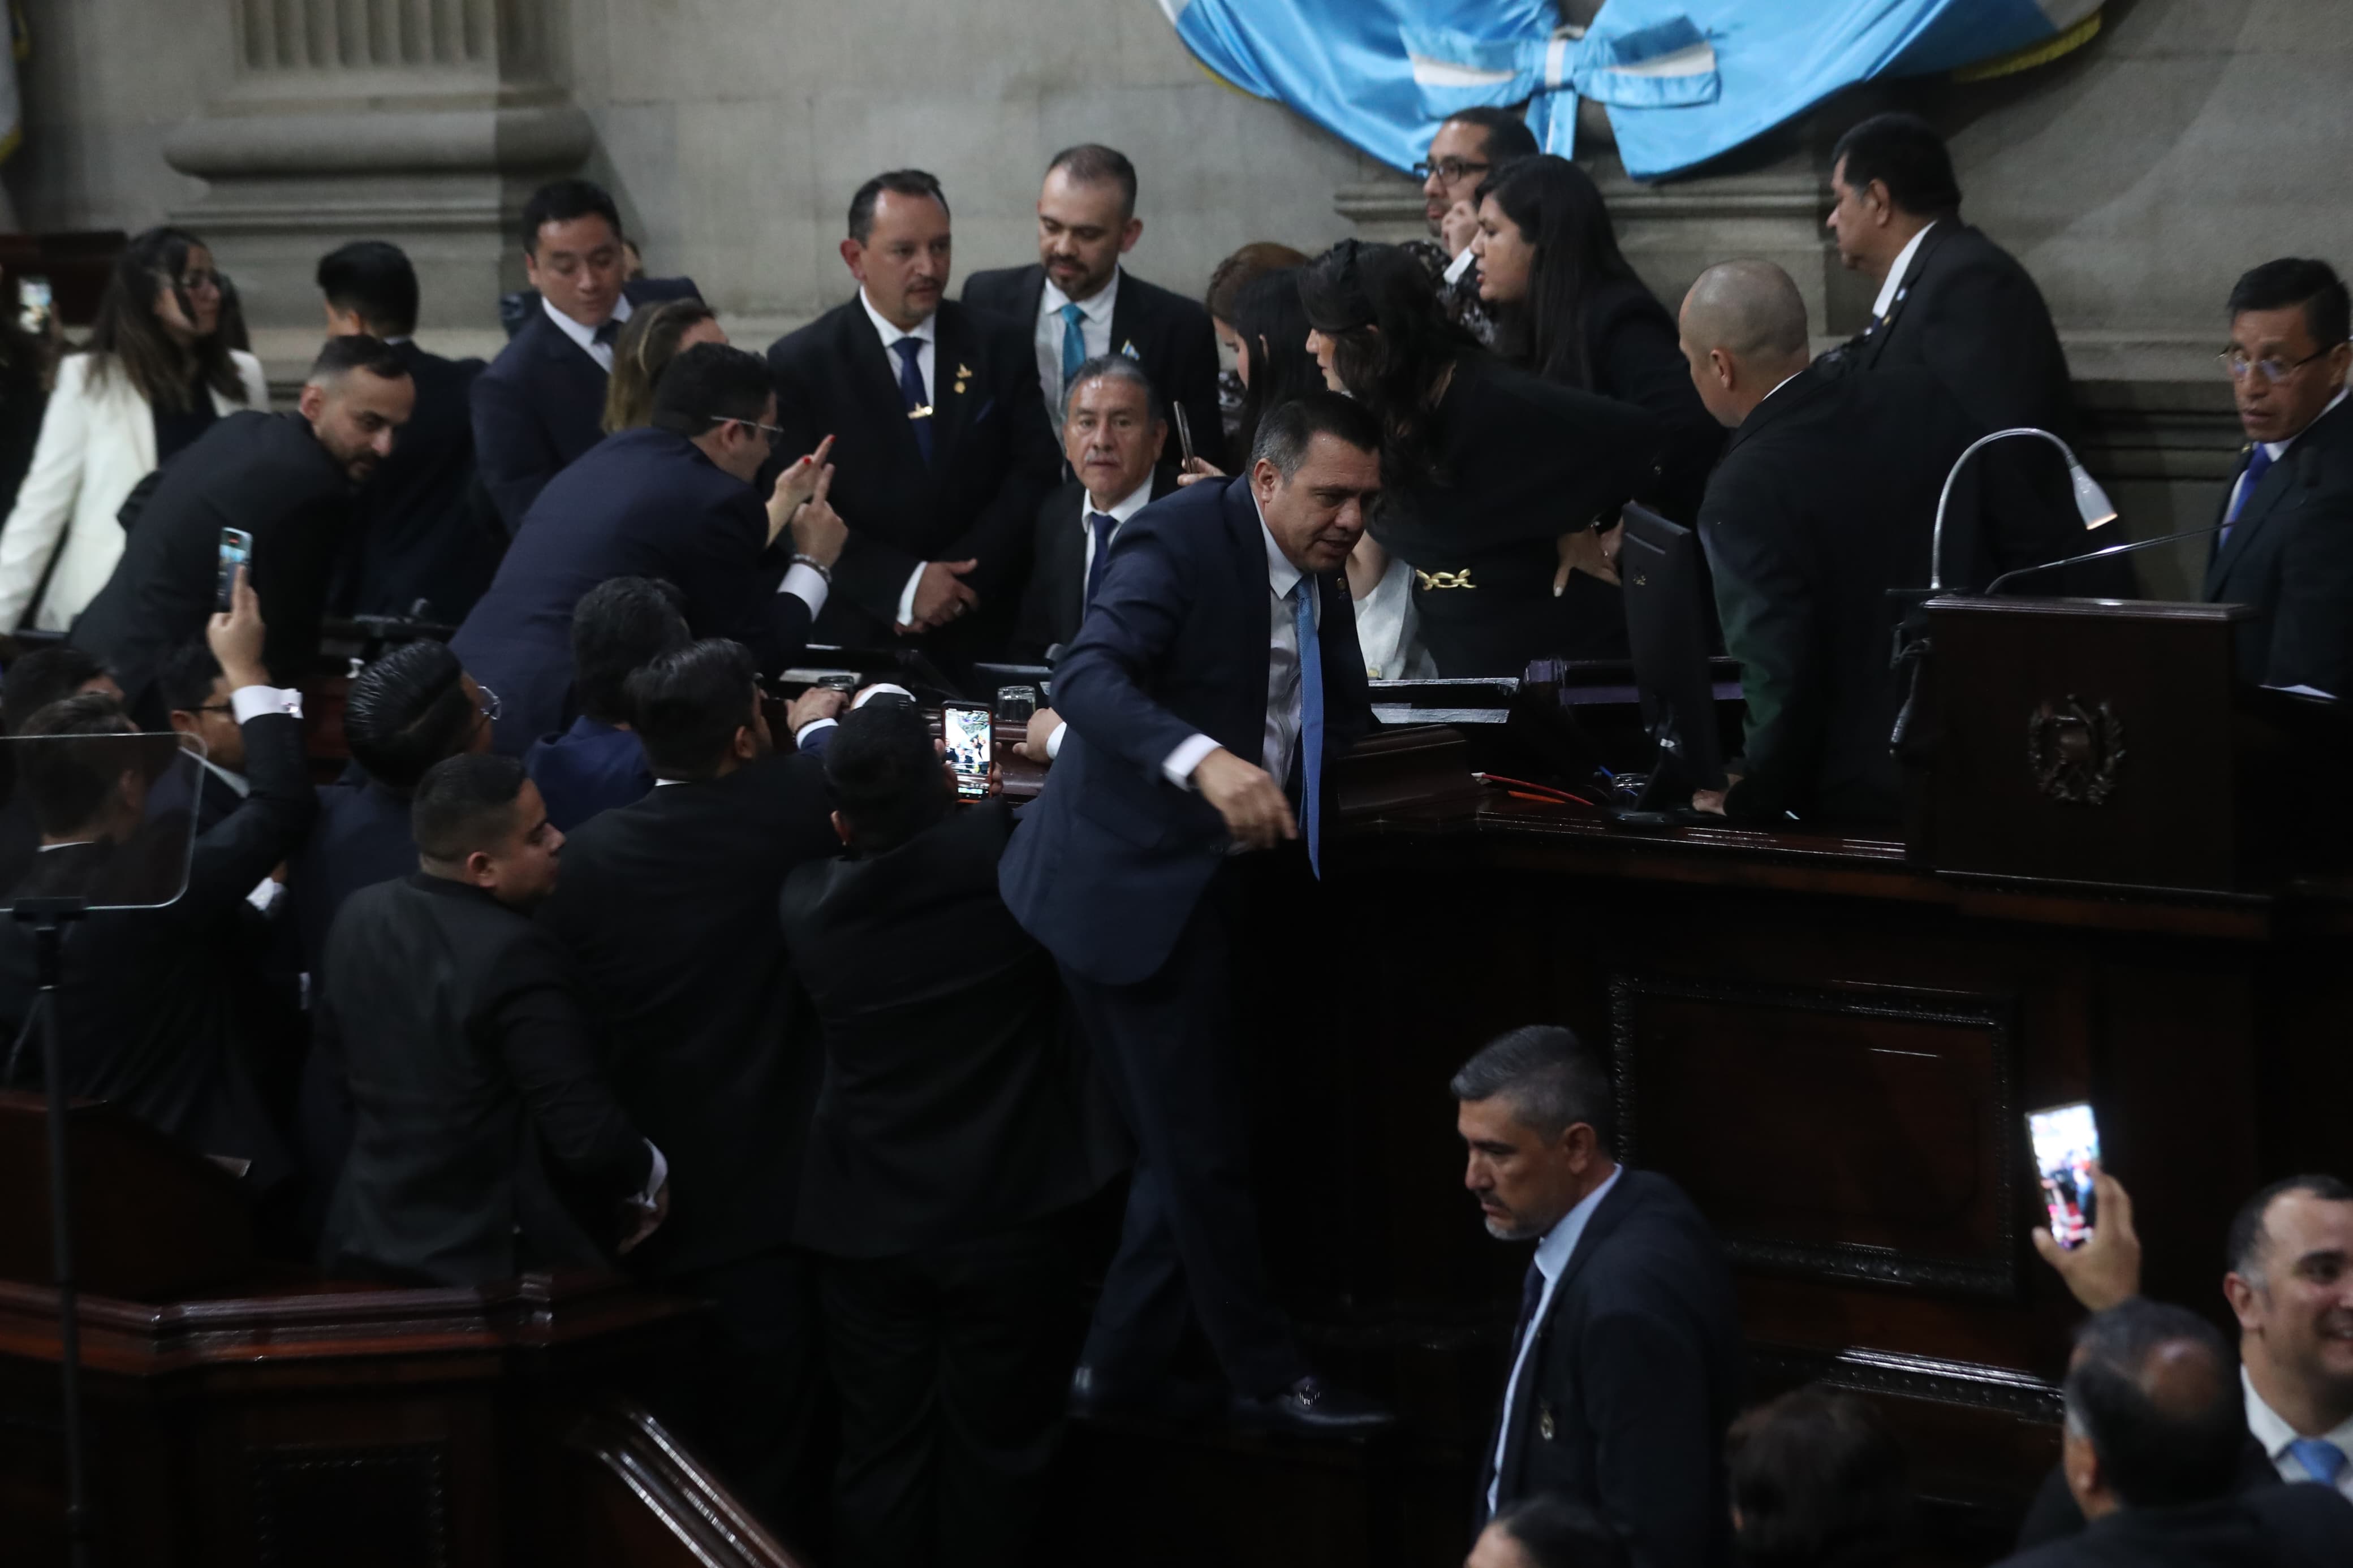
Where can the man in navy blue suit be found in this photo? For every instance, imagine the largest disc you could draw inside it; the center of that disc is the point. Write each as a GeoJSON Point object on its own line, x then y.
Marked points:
{"type": "Point", "coordinates": [675, 500]}
{"type": "Point", "coordinates": [542, 403]}
{"type": "Point", "coordinates": [1216, 674]}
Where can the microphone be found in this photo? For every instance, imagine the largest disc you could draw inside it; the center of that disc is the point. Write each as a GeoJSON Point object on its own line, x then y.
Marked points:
{"type": "Point", "coordinates": [1995, 586]}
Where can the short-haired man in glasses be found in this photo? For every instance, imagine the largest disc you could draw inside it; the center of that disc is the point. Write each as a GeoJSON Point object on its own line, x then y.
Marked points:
{"type": "Point", "coordinates": [683, 500]}
{"type": "Point", "coordinates": [2286, 541]}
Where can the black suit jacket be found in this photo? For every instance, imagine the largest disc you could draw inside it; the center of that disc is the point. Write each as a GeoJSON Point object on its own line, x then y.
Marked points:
{"type": "Point", "coordinates": [265, 473]}
{"type": "Point", "coordinates": [1969, 315]}
{"type": "Point", "coordinates": [1058, 567]}
{"type": "Point", "coordinates": [1162, 330]}
{"type": "Point", "coordinates": [2054, 1515]}
{"type": "Point", "coordinates": [485, 1140]}
{"type": "Point", "coordinates": [2299, 1526]}
{"type": "Point", "coordinates": [670, 905]}
{"type": "Point", "coordinates": [993, 459]}
{"type": "Point", "coordinates": [1111, 859]}
{"type": "Point", "coordinates": [1520, 461]}
{"type": "Point", "coordinates": [1632, 349]}
{"type": "Point", "coordinates": [426, 529]}
{"type": "Point", "coordinates": [1824, 501]}
{"type": "Point", "coordinates": [645, 503]}
{"type": "Point", "coordinates": [1636, 1371]}
{"type": "Point", "coordinates": [542, 404]}
{"type": "Point", "coordinates": [158, 1004]}
{"type": "Point", "coordinates": [2290, 555]}
{"type": "Point", "coordinates": [956, 1101]}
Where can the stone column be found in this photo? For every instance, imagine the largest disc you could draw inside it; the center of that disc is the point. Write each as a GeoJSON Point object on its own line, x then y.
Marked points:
{"type": "Point", "coordinates": [425, 122]}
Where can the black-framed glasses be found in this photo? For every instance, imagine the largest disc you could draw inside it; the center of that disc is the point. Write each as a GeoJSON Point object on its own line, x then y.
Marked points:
{"type": "Point", "coordinates": [774, 433]}
{"type": "Point", "coordinates": [1451, 170]}
{"type": "Point", "coordinates": [2275, 371]}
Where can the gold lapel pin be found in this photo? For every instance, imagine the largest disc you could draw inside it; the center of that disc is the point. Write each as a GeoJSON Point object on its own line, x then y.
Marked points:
{"type": "Point", "coordinates": [920, 411]}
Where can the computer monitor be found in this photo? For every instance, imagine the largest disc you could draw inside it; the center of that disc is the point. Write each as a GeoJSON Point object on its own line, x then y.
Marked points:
{"type": "Point", "coordinates": [1666, 624]}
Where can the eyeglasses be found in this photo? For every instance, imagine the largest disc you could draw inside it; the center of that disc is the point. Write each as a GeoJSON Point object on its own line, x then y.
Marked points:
{"type": "Point", "coordinates": [490, 708]}
{"type": "Point", "coordinates": [2275, 371]}
{"type": "Point", "coordinates": [772, 432]}
{"type": "Point", "coordinates": [1449, 170]}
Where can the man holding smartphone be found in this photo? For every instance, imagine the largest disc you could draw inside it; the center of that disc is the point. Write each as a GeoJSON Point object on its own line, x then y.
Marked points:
{"type": "Point", "coordinates": [285, 481]}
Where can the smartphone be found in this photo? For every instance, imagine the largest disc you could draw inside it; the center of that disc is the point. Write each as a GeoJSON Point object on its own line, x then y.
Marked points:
{"type": "Point", "coordinates": [236, 551]}
{"type": "Point", "coordinates": [35, 305]}
{"type": "Point", "coordinates": [2066, 1142]}
{"type": "Point", "coordinates": [1183, 432]}
{"type": "Point", "coordinates": [964, 727]}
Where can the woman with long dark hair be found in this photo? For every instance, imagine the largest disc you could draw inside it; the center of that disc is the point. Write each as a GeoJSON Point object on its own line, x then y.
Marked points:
{"type": "Point", "coordinates": [1226, 281]}
{"type": "Point", "coordinates": [1570, 309]}
{"type": "Point", "coordinates": [156, 375]}
{"type": "Point", "coordinates": [655, 335]}
{"type": "Point", "coordinates": [1490, 477]}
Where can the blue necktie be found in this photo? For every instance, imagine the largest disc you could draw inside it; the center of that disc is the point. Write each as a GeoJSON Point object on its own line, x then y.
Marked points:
{"type": "Point", "coordinates": [2258, 462]}
{"type": "Point", "coordinates": [911, 389]}
{"type": "Point", "coordinates": [2323, 1460]}
{"type": "Point", "coordinates": [1311, 720]}
{"type": "Point", "coordinates": [1074, 349]}
{"type": "Point", "coordinates": [1102, 524]}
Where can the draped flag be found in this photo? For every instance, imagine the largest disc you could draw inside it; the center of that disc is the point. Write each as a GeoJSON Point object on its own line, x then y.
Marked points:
{"type": "Point", "coordinates": [1683, 80]}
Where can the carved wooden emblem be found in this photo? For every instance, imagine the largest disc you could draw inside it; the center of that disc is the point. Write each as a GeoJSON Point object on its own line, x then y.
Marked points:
{"type": "Point", "coordinates": [2076, 752]}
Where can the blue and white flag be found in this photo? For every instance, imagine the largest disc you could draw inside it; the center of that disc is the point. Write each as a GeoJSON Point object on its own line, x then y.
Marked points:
{"type": "Point", "coordinates": [1683, 81]}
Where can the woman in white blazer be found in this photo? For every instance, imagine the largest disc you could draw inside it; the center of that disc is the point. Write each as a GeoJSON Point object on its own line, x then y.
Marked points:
{"type": "Point", "coordinates": [155, 374]}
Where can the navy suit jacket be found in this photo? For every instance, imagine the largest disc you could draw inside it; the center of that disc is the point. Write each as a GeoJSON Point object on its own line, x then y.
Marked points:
{"type": "Point", "coordinates": [644, 503]}
{"type": "Point", "coordinates": [361, 837]}
{"type": "Point", "coordinates": [2290, 555]}
{"type": "Point", "coordinates": [993, 459]}
{"type": "Point", "coordinates": [1165, 332]}
{"type": "Point", "coordinates": [542, 404]}
{"type": "Point", "coordinates": [1110, 859]}
{"type": "Point", "coordinates": [589, 769]}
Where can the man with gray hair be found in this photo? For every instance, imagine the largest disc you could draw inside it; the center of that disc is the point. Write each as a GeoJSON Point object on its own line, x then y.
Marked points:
{"type": "Point", "coordinates": [2155, 1431]}
{"type": "Point", "coordinates": [1626, 1362]}
{"type": "Point", "coordinates": [1115, 431]}
{"type": "Point", "coordinates": [1825, 500]}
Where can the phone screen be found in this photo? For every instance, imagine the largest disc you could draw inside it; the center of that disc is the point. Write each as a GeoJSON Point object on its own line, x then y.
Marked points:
{"type": "Point", "coordinates": [2066, 1146]}
{"type": "Point", "coordinates": [964, 728]}
{"type": "Point", "coordinates": [34, 305]}
{"type": "Point", "coordinates": [236, 551]}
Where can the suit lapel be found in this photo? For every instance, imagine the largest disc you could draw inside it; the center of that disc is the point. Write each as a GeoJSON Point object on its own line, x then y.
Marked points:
{"type": "Point", "coordinates": [2271, 493]}
{"type": "Point", "coordinates": [1250, 583]}
{"type": "Point", "coordinates": [1128, 319]}
{"type": "Point", "coordinates": [1780, 403]}
{"type": "Point", "coordinates": [1874, 337]}
{"type": "Point", "coordinates": [956, 391]}
{"type": "Point", "coordinates": [1526, 1399]}
{"type": "Point", "coordinates": [868, 364]}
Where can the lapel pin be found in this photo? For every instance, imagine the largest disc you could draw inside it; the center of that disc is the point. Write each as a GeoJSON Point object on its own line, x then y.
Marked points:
{"type": "Point", "coordinates": [1128, 348]}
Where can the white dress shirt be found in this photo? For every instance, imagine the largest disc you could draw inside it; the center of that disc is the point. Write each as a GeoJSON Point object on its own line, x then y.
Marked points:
{"type": "Point", "coordinates": [1553, 1254]}
{"type": "Point", "coordinates": [1895, 283]}
{"type": "Point", "coordinates": [926, 333]}
{"type": "Point", "coordinates": [586, 336]}
{"type": "Point", "coordinates": [1094, 331]}
{"type": "Point", "coordinates": [880, 687]}
{"type": "Point", "coordinates": [1283, 697]}
{"type": "Point", "coordinates": [2275, 1433]}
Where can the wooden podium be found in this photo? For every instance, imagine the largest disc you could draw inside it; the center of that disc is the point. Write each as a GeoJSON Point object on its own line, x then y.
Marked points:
{"type": "Point", "coordinates": [2106, 742]}
{"type": "Point", "coordinates": [238, 1413]}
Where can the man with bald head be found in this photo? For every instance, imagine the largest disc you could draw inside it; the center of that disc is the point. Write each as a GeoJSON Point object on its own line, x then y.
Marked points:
{"type": "Point", "coordinates": [1824, 501]}
{"type": "Point", "coordinates": [2155, 1429]}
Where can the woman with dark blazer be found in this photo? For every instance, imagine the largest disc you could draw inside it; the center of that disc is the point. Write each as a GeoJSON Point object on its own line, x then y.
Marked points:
{"type": "Point", "coordinates": [1570, 310]}
{"type": "Point", "coordinates": [1489, 476]}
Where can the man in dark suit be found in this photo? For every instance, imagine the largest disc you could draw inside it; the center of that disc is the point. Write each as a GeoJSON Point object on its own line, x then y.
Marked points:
{"type": "Point", "coordinates": [1956, 305]}
{"type": "Point", "coordinates": [155, 1000]}
{"type": "Point", "coordinates": [287, 480]}
{"type": "Point", "coordinates": [1825, 500]}
{"type": "Point", "coordinates": [2286, 548]}
{"type": "Point", "coordinates": [426, 531]}
{"type": "Point", "coordinates": [940, 436]}
{"type": "Point", "coordinates": [620, 626]}
{"type": "Point", "coordinates": [542, 403]}
{"type": "Point", "coordinates": [677, 499]}
{"type": "Point", "coordinates": [951, 1137]}
{"type": "Point", "coordinates": [486, 1141]}
{"type": "Point", "coordinates": [1627, 1365]}
{"type": "Point", "coordinates": [1216, 677]}
{"type": "Point", "coordinates": [669, 905]}
{"type": "Point", "coordinates": [1113, 433]}
{"type": "Point", "coordinates": [1081, 304]}
{"type": "Point", "coordinates": [2155, 1425]}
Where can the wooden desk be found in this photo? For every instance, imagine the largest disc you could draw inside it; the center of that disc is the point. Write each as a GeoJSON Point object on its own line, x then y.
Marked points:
{"type": "Point", "coordinates": [1831, 1050]}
